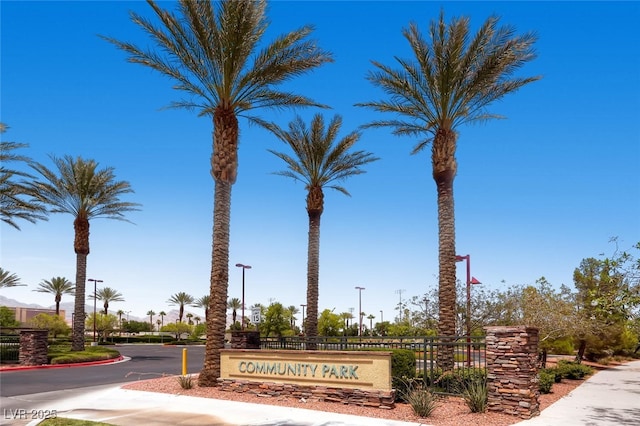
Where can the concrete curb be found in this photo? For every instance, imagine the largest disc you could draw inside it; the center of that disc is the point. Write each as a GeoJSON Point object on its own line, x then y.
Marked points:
{"type": "Point", "coordinates": [77, 364]}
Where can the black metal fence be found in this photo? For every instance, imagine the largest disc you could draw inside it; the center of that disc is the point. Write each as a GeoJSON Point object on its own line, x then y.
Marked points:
{"type": "Point", "coordinates": [469, 353]}
{"type": "Point", "coordinates": [9, 347]}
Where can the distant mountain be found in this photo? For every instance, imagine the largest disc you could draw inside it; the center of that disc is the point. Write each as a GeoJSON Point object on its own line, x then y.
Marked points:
{"type": "Point", "coordinates": [5, 301]}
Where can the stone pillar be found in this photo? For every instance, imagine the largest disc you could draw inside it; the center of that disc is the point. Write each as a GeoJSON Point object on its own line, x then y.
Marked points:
{"type": "Point", "coordinates": [33, 347]}
{"type": "Point", "coordinates": [512, 369]}
{"type": "Point", "coordinates": [245, 340]}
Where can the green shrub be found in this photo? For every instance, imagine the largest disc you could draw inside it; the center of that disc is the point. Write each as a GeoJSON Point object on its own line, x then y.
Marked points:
{"type": "Point", "coordinates": [546, 379]}
{"type": "Point", "coordinates": [572, 370]}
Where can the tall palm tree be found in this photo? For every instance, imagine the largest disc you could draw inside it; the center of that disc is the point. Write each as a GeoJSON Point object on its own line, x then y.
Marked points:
{"type": "Point", "coordinates": [56, 286]}
{"type": "Point", "coordinates": [120, 313]}
{"type": "Point", "coordinates": [162, 315]}
{"type": "Point", "coordinates": [218, 58]}
{"type": "Point", "coordinates": [292, 310]}
{"type": "Point", "coordinates": [7, 279]}
{"type": "Point", "coordinates": [78, 188]}
{"type": "Point", "coordinates": [318, 161]}
{"type": "Point", "coordinates": [181, 299]}
{"type": "Point", "coordinates": [189, 315]}
{"type": "Point", "coordinates": [203, 303]}
{"type": "Point", "coordinates": [14, 200]}
{"type": "Point", "coordinates": [450, 81]}
{"type": "Point", "coordinates": [107, 295]}
{"type": "Point", "coordinates": [234, 304]}
{"type": "Point", "coordinates": [151, 313]}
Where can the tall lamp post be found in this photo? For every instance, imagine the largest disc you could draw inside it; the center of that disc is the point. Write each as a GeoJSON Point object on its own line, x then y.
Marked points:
{"type": "Point", "coordinates": [302, 328]}
{"type": "Point", "coordinates": [95, 296]}
{"type": "Point", "coordinates": [360, 309]}
{"type": "Point", "coordinates": [470, 280]}
{"type": "Point", "coordinates": [240, 265]}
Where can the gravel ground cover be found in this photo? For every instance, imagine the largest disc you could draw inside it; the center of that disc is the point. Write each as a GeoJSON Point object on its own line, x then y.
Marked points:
{"type": "Point", "coordinates": [451, 411]}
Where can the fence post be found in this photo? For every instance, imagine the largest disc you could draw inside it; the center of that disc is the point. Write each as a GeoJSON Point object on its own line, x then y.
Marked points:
{"type": "Point", "coordinates": [33, 347]}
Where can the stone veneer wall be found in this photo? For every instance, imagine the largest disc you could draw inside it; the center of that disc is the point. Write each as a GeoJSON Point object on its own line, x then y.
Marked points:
{"type": "Point", "coordinates": [512, 370]}
{"type": "Point", "coordinates": [33, 347]}
{"type": "Point", "coordinates": [368, 398]}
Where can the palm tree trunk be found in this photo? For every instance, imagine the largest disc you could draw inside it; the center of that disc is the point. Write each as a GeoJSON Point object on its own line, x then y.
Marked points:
{"type": "Point", "coordinates": [313, 273]}
{"type": "Point", "coordinates": [224, 168]}
{"type": "Point", "coordinates": [77, 343]}
{"type": "Point", "coordinates": [444, 171]}
{"type": "Point", "coordinates": [81, 247]}
{"type": "Point", "coordinates": [217, 314]}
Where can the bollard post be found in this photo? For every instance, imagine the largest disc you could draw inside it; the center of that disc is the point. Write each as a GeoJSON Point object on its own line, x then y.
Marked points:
{"type": "Point", "coordinates": [184, 361]}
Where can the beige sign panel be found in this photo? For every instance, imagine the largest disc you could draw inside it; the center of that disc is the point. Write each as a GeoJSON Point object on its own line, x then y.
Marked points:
{"type": "Point", "coordinates": [361, 370]}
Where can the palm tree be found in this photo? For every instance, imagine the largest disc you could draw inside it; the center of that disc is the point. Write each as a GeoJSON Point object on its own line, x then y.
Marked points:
{"type": "Point", "coordinates": [318, 162]}
{"type": "Point", "coordinates": [13, 194]}
{"type": "Point", "coordinates": [181, 299]}
{"type": "Point", "coordinates": [370, 318]}
{"type": "Point", "coordinates": [151, 313]}
{"type": "Point", "coordinates": [203, 303]}
{"type": "Point", "coordinates": [56, 286]}
{"type": "Point", "coordinates": [197, 320]}
{"type": "Point", "coordinates": [84, 192]}
{"type": "Point", "coordinates": [234, 304]}
{"type": "Point", "coordinates": [450, 82]}
{"type": "Point", "coordinates": [189, 316]}
{"type": "Point", "coordinates": [158, 322]}
{"type": "Point", "coordinates": [120, 313]}
{"type": "Point", "coordinates": [292, 310]}
{"type": "Point", "coordinates": [106, 295]}
{"type": "Point", "coordinates": [162, 315]}
{"type": "Point", "coordinates": [213, 54]}
{"type": "Point", "coordinates": [7, 279]}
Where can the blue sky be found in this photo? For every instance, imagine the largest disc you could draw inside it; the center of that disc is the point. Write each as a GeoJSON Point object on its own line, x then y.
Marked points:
{"type": "Point", "coordinates": [535, 193]}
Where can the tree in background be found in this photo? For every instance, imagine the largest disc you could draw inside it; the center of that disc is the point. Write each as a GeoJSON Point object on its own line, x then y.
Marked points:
{"type": "Point", "coordinates": [218, 57]}
{"type": "Point", "coordinates": [234, 304]}
{"type": "Point", "coordinates": [53, 323]}
{"type": "Point", "coordinates": [162, 314]}
{"type": "Point", "coordinates": [319, 161]}
{"type": "Point", "coordinates": [78, 188]}
{"type": "Point", "coordinates": [449, 82]}
{"type": "Point", "coordinates": [8, 318]}
{"type": "Point", "coordinates": [292, 310]}
{"type": "Point", "coordinates": [104, 324]}
{"type": "Point", "coordinates": [180, 299]}
{"type": "Point", "coordinates": [7, 279]}
{"type": "Point", "coordinates": [107, 295]}
{"type": "Point", "coordinates": [151, 313]}
{"type": "Point", "coordinates": [14, 196]}
{"type": "Point", "coordinates": [56, 286]}
{"type": "Point", "coordinates": [275, 320]}
{"type": "Point", "coordinates": [608, 303]}
{"type": "Point", "coordinates": [120, 313]}
{"type": "Point", "coordinates": [329, 324]}
{"type": "Point", "coordinates": [203, 303]}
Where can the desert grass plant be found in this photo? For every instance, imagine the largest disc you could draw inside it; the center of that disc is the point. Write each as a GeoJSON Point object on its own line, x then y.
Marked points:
{"type": "Point", "coordinates": [186, 381]}
{"type": "Point", "coordinates": [422, 400]}
{"type": "Point", "coordinates": [475, 395]}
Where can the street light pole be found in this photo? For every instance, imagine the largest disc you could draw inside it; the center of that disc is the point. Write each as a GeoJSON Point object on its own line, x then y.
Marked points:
{"type": "Point", "coordinates": [360, 309]}
{"type": "Point", "coordinates": [240, 265]}
{"type": "Point", "coordinates": [95, 297]}
{"type": "Point", "coordinates": [470, 280]}
{"type": "Point", "coordinates": [302, 328]}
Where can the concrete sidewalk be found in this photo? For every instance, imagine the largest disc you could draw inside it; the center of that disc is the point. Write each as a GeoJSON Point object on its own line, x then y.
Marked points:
{"type": "Point", "coordinates": [114, 405]}
{"type": "Point", "coordinates": [609, 398]}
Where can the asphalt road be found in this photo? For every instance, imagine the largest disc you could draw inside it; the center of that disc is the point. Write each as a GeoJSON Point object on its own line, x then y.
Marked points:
{"type": "Point", "coordinates": [144, 362]}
